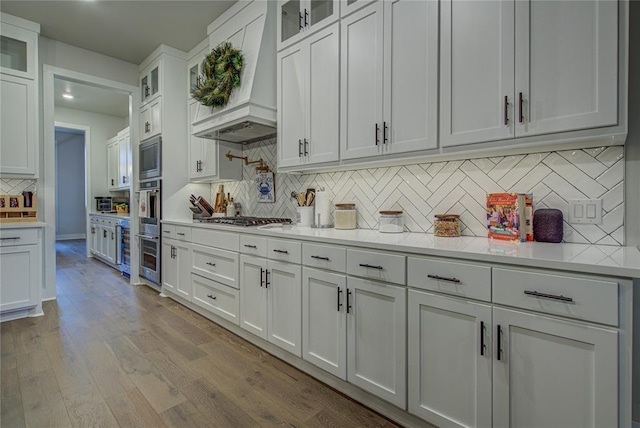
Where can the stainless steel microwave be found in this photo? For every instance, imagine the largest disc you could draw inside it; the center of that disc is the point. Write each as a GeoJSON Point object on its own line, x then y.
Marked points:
{"type": "Point", "coordinates": [150, 158]}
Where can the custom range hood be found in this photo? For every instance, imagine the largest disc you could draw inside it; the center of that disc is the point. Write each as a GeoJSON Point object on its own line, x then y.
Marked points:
{"type": "Point", "coordinates": [250, 114]}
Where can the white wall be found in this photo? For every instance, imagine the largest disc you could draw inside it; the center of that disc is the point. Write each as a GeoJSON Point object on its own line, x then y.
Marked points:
{"type": "Point", "coordinates": [102, 127]}
{"type": "Point", "coordinates": [70, 186]}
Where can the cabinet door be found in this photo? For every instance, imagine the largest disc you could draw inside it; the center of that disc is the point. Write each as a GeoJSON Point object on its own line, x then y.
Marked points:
{"type": "Point", "coordinates": [156, 117]}
{"type": "Point", "coordinates": [18, 125]}
{"type": "Point", "coordinates": [183, 262]}
{"type": "Point", "coordinates": [349, 6]}
{"type": "Point", "coordinates": [410, 75]}
{"type": "Point", "coordinates": [361, 88]}
{"type": "Point", "coordinates": [19, 276]}
{"type": "Point", "coordinates": [145, 123]}
{"type": "Point", "coordinates": [253, 295]}
{"type": "Point", "coordinates": [566, 65]}
{"type": "Point", "coordinates": [111, 245]}
{"type": "Point", "coordinates": [284, 304]}
{"type": "Point", "coordinates": [324, 322]}
{"type": "Point", "coordinates": [195, 145]}
{"type": "Point", "coordinates": [476, 71]}
{"type": "Point", "coordinates": [322, 139]}
{"type": "Point", "coordinates": [104, 242]}
{"type": "Point", "coordinates": [449, 360]}
{"type": "Point", "coordinates": [553, 373]}
{"type": "Point", "coordinates": [124, 161]}
{"type": "Point", "coordinates": [377, 339]}
{"type": "Point", "coordinates": [18, 52]}
{"type": "Point", "coordinates": [169, 266]}
{"type": "Point", "coordinates": [291, 105]}
{"type": "Point", "coordinates": [93, 244]}
{"type": "Point", "coordinates": [113, 160]}
{"type": "Point", "coordinates": [290, 22]}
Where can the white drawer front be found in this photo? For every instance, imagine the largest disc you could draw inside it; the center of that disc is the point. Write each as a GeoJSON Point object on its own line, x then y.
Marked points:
{"type": "Point", "coordinates": [254, 245]}
{"type": "Point", "coordinates": [215, 264]}
{"type": "Point", "coordinates": [377, 265]}
{"type": "Point", "coordinates": [324, 256]}
{"type": "Point", "coordinates": [168, 231]}
{"type": "Point", "coordinates": [183, 233]}
{"type": "Point", "coordinates": [216, 298]}
{"type": "Point", "coordinates": [460, 279]}
{"type": "Point", "coordinates": [215, 238]}
{"type": "Point", "coordinates": [284, 250]}
{"type": "Point", "coordinates": [575, 297]}
{"type": "Point", "coordinates": [13, 237]}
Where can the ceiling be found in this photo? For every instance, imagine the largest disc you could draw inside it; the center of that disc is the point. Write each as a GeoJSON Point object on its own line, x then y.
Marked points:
{"type": "Point", "coordinates": [127, 30]}
{"type": "Point", "coordinates": [91, 98]}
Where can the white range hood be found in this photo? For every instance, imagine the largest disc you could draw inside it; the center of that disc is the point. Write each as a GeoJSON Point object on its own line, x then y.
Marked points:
{"type": "Point", "coordinates": [250, 114]}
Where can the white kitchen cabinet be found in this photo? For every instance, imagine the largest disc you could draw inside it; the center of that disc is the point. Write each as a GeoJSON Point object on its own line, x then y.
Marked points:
{"type": "Point", "coordinates": [377, 339]}
{"type": "Point", "coordinates": [217, 298]}
{"type": "Point", "coordinates": [125, 162]}
{"type": "Point", "coordinates": [347, 7]}
{"type": "Point", "coordinates": [309, 101]}
{"type": "Point", "coordinates": [387, 106]}
{"type": "Point", "coordinates": [450, 360]}
{"type": "Point", "coordinates": [18, 126]}
{"type": "Point", "coordinates": [151, 119]}
{"type": "Point", "coordinates": [253, 295]}
{"type": "Point", "coordinates": [113, 163]}
{"type": "Point", "coordinates": [298, 19]}
{"type": "Point", "coordinates": [150, 83]}
{"type": "Point", "coordinates": [110, 243]}
{"type": "Point", "coordinates": [194, 68]}
{"type": "Point", "coordinates": [553, 373]}
{"type": "Point", "coordinates": [93, 239]}
{"type": "Point", "coordinates": [20, 269]}
{"type": "Point", "coordinates": [553, 69]}
{"type": "Point", "coordinates": [176, 268]}
{"type": "Point", "coordinates": [207, 161]}
{"type": "Point", "coordinates": [104, 243]}
{"type": "Point", "coordinates": [324, 320]}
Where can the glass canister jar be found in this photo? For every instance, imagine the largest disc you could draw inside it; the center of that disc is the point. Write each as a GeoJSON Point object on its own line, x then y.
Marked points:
{"type": "Point", "coordinates": [344, 216]}
{"type": "Point", "coordinates": [446, 225]}
{"type": "Point", "coordinates": [391, 222]}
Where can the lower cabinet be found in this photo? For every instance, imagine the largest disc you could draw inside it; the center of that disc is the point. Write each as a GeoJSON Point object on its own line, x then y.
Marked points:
{"type": "Point", "coordinates": [103, 242]}
{"type": "Point", "coordinates": [217, 298]}
{"type": "Point", "coordinates": [176, 268]}
{"type": "Point", "coordinates": [270, 301]}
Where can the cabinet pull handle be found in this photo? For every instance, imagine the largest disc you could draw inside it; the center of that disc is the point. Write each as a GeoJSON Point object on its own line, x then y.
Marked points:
{"type": "Point", "coordinates": [384, 133]}
{"type": "Point", "coordinates": [443, 278]}
{"type": "Point", "coordinates": [548, 296]}
{"type": "Point", "coordinates": [281, 251]}
{"type": "Point", "coordinates": [112, 182]}
{"type": "Point", "coordinates": [146, 91]}
{"type": "Point", "coordinates": [146, 126]}
{"type": "Point", "coordinates": [266, 278]}
{"type": "Point", "coordinates": [377, 134]}
{"type": "Point", "coordinates": [166, 231]}
{"type": "Point", "coordinates": [123, 179]}
{"type": "Point", "coordinates": [320, 258]}
{"type": "Point", "coordinates": [250, 246]}
{"type": "Point", "coordinates": [499, 340]}
{"type": "Point", "coordinates": [210, 264]}
{"type": "Point", "coordinates": [11, 238]}
{"type": "Point", "coordinates": [348, 300]}
{"type": "Point", "coordinates": [482, 344]}
{"type": "Point", "coordinates": [113, 236]}
{"type": "Point", "coordinates": [299, 148]}
{"type": "Point", "coordinates": [300, 20]}
{"type": "Point", "coordinates": [306, 146]}
{"type": "Point", "coordinates": [371, 266]}
{"type": "Point", "coordinates": [181, 234]}
{"type": "Point", "coordinates": [306, 15]}
{"type": "Point", "coordinates": [104, 233]}
{"type": "Point", "coordinates": [506, 110]}
{"type": "Point", "coordinates": [520, 113]}
{"type": "Point", "coordinates": [339, 293]}
{"type": "Point", "coordinates": [211, 296]}
{"type": "Point", "coordinates": [261, 279]}
{"type": "Point", "coordinates": [93, 232]}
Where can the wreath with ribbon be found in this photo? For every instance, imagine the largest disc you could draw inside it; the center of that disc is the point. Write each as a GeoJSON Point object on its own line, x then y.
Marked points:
{"type": "Point", "coordinates": [220, 75]}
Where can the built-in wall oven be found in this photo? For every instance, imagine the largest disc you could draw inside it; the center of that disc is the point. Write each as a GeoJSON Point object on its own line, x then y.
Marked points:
{"type": "Point", "coordinates": [149, 214]}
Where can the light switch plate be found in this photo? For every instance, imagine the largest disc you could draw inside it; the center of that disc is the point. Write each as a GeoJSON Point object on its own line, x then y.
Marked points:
{"type": "Point", "coordinates": [585, 211]}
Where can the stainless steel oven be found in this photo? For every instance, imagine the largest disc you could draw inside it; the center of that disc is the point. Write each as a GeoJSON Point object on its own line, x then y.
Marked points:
{"type": "Point", "coordinates": [150, 158]}
{"type": "Point", "coordinates": [149, 230]}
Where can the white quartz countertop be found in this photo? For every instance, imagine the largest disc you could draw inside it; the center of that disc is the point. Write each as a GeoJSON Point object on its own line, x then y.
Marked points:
{"type": "Point", "coordinates": [114, 215]}
{"type": "Point", "coordinates": [596, 259]}
{"type": "Point", "coordinates": [23, 225]}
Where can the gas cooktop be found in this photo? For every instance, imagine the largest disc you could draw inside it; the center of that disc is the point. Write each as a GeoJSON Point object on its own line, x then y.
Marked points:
{"type": "Point", "coordinates": [245, 221]}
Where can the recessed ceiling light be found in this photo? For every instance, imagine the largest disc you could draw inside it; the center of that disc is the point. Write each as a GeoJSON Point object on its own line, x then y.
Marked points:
{"type": "Point", "coordinates": [68, 96]}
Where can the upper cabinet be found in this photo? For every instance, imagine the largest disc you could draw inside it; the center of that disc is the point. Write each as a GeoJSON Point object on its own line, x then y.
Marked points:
{"type": "Point", "coordinates": [150, 82]}
{"type": "Point", "coordinates": [194, 66]}
{"type": "Point", "coordinates": [389, 81]}
{"type": "Point", "coordinates": [300, 18]}
{"type": "Point", "coordinates": [119, 163]}
{"type": "Point", "coordinates": [522, 68]}
{"type": "Point", "coordinates": [19, 102]}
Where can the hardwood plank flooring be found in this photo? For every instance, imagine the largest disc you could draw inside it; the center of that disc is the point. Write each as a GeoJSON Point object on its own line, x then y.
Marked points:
{"type": "Point", "coordinates": [109, 354]}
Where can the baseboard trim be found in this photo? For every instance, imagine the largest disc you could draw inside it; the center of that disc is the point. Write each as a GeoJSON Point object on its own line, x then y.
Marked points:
{"type": "Point", "coordinates": [71, 236]}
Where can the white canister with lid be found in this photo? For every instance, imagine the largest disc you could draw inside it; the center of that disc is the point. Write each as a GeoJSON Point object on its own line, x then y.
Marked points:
{"type": "Point", "coordinates": [344, 216]}
{"type": "Point", "coordinates": [391, 222]}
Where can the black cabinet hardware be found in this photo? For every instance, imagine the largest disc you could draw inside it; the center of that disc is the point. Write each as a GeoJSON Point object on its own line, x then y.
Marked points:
{"type": "Point", "coordinates": [146, 91]}
{"type": "Point", "coordinates": [371, 266]}
{"type": "Point", "coordinates": [281, 251]}
{"type": "Point", "coordinates": [482, 345]}
{"type": "Point", "coordinates": [147, 127]}
{"type": "Point", "coordinates": [11, 238]}
{"type": "Point", "coordinates": [548, 296]}
{"type": "Point", "coordinates": [300, 17]}
{"type": "Point", "coordinates": [377, 134]}
{"type": "Point", "coordinates": [306, 147]}
{"type": "Point", "coordinates": [104, 233]}
{"type": "Point", "coordinates": [348, 300]}
{"type": "Point", "coordinates": [299, 148]}
{"type": "Point", "coordinates": [444, 278]}
{"type": "Point", "coordinates": [261, 277]}
{"type": "Point", "coordinates": [499, 340]}
{"type": "Point", "coordinates": [211, 264]}
{"type": "Point", "coordinates": [520, 113]}
{"type": "Point", "coordinates": [506, 110]}
{"type": "Point", "coordinates": [112, 182]}
{"type": "Point", "coordinates": [250, 246]}
{"type": "Point", "coordinates": [385, 139]}
{"type": "Point", "coordinates": [166, 231]}
{"type": "Point", "coordinates": [211, 296]}
{"type": "Point", "coordinates": [306, 16]}
{"type": "Point", "coordinates": [320, 258]}
{"type": "Point", "coordinates": [339, 293]}
{"type": "Point", "coordinates": [123, 179]}
{"type": "Point", "coordinates": [266, 278]}
{"type": "Point", "coordinates": [181, 234]}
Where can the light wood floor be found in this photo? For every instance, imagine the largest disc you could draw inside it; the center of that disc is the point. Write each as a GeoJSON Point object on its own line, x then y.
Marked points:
{"type": "Point", "coordinates": [109, 354]}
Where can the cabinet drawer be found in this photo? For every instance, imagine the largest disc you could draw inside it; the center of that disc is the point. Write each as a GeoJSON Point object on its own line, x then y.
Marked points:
{"type": "Point", "coordinates": [324, 256]}
{"type": "Point", "coordinates": [377, 265]}
{"type": "Point", "coordinates": [218, 265]}
{"type": "Point", "coordinates": [460, 279]}
{"type": "Point", "coordinates": [183, 233]}
{"type": "Point", "coordinates": [13, 237]}
{"type": "Point", "coordinates": [255, 245]}
{"type": "Point", "coordinates": [284, 250]}
{"type": "Point", "coordinates": [582, 298]}
{"type": "Point", "coordinates": [216, 298]}
{"type": "Point", "coordinates": [168, 231]}
{"type": "Point", "coordinates": [215, 238]}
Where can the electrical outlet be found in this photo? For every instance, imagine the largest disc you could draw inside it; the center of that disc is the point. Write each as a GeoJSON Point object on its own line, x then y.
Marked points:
{"type": "Point", "coordinates": [585, 211]}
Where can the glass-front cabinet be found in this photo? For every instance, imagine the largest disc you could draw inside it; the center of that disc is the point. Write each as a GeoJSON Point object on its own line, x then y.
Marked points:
{"type": "Point", "coordinates": [298, 19]}
{"type": "Point", "coordinates": [18, 51]}
{"type": "Point", "coordinates": [150, 83]}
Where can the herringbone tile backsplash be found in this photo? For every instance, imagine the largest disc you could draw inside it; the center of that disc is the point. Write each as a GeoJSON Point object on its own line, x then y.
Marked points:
{"type": "Point", "coordinates": [15, 186]}
{"type": "Point", "coordinates": [458, 187]}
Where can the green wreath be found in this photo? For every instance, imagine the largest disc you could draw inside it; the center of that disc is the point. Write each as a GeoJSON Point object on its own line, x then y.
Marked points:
{"type": "Point", "coordinates": [220, 74]}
